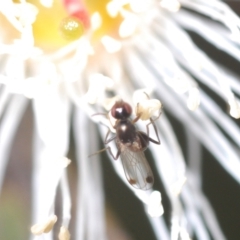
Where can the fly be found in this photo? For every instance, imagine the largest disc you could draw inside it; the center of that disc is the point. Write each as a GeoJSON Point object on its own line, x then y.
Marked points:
{"type": "Point", "coordinates": [131, 145]}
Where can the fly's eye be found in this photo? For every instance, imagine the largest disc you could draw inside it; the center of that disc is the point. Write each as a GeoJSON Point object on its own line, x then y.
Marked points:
{"type": "Point", "coordinates": [121, 110]}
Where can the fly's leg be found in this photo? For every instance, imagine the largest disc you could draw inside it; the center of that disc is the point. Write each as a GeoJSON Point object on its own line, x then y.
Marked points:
{"type": "Point", "coordinates": [138, 116]}
{"type": "Point", "coordinates": [110, 152]}
{"type": "Point", "coordinates": [155, 129]}
{"type": "Point", "coordinates": [147, 126]}
{"type": "Point", "coordinates": [102, 150]}
{"type": "Point", "coordinates": [95, 114]}
{"type": "Point", "coordinates": [106, 141]}
{"type": "Point", "coordinates": [108, 148]}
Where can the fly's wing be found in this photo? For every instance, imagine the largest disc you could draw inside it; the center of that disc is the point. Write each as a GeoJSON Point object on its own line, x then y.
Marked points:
{"type": "Point", "coordinates": [137, 169]}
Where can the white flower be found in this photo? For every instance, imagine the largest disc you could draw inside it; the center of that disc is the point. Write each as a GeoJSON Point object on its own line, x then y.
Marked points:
{"type": "Point", "coordinates": [146, 53]}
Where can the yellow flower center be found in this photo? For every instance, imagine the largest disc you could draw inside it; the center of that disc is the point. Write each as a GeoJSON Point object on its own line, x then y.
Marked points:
{"type": "Point", "coordinates": [57, 26]}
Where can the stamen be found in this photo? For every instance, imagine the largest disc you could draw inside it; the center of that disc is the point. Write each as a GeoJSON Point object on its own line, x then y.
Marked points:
{"type": "Point", "coordinates": [47, 3]}
{"type": "Point", "coordinates": [98, 83]}
{"type": "Point", "coordinates": [96, 20]}
{"type": "Point", "coordinates": [141, 95]}
{"type": "Point", "coordinates": [171, 5]}
{"type": "Point", "coordinates": [155, 208]}
{"type": "Point", "coordinates": [44, 227]}
{"type": "Point", "coordinates": [145, 106]}
{"type": "Point", "coordinates": [26, 13]}
{"type": "Point", "coordinates": [148, 108]}
{"type": "Point", "coordinates": [193, 99]}
{"type": "Point", "coordinates": [184, 234]}
{"type": "Point", "coordinates": [110, 18]}
{"type": "Point", "coordinates": [138, 6]}
{"type": "Point", "coordinates": [110, 44]}
{"type": "Point", "coordinates": [66, 200]}
{"type": "Point", "coordinates": [64, 234]}
{"type": "Point", "coordinates": [19, 14]}
{"type": "Point", "coordinates": [128, 26]}
{"type": "Point", "coordinates": [109, 102]}
{"type": "Point", "coordinates": [113, 8]}
{"type": "Point", "coordinates": [234, 108]}
{"type": "Point", "coordinates": [176, 187]}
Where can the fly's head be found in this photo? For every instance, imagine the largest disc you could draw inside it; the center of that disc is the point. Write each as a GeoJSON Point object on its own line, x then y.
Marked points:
{"type": "Point", "coordinates": [121, 110]}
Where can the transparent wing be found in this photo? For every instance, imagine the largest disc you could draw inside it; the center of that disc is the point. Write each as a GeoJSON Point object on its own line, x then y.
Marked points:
{"type": "Point", "coordinates": [137, 169]}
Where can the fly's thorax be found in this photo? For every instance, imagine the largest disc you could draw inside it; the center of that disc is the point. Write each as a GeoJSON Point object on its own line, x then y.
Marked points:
{"type": "Point", "coordinates": [126, 131]}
